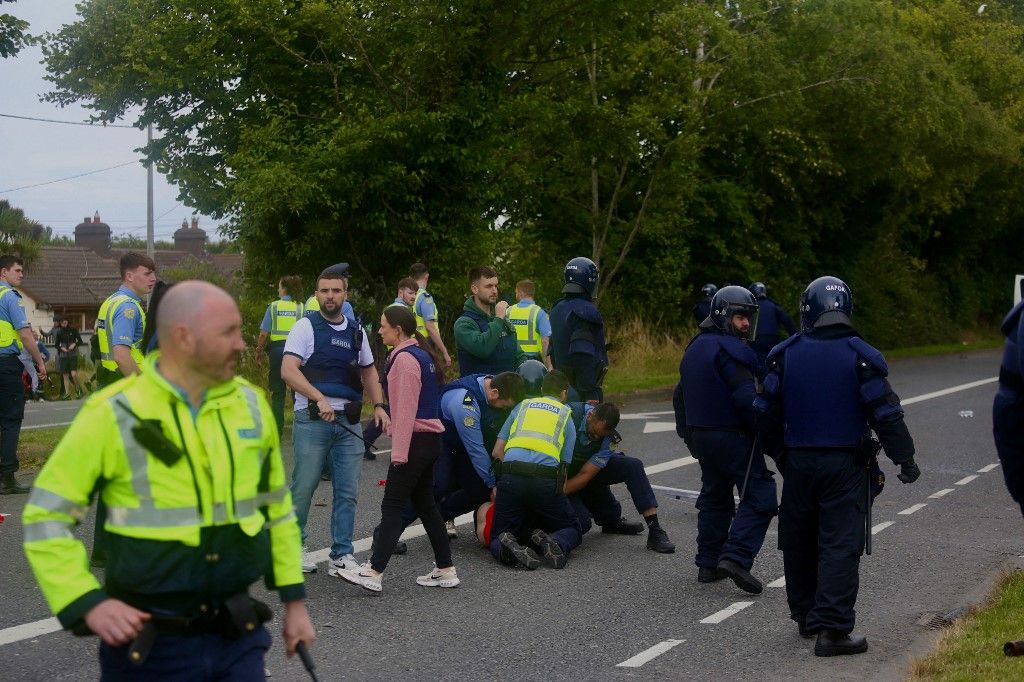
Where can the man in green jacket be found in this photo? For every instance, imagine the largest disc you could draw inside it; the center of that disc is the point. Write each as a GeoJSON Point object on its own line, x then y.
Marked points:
{"type": "Point", "coordinates": [485, 338]}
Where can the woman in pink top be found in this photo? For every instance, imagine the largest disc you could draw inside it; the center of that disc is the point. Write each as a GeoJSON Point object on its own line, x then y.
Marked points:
{"type": "Point", "coordinates": [411, 386]}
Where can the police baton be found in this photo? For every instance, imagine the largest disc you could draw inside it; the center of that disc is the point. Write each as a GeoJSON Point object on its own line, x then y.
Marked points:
{"type": "Point", "coordinates": [307, 660]}
{"type": "Point", "coordinates": [368, 443]}
{"type": "Point", "coordinates": [750, 461]}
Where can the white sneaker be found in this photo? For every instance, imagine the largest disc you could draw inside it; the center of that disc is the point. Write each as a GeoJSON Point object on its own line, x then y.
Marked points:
{"type": "Point", "coordinates": [308, 566]}
{"type": "Point", "coordinates": [452, 530]}
{"type": "Point", "coordinates": [342, 563]}
{"type": "Point", "coordinates": [364, 576]}
{"type": "Point", "coordinates": [439, 577]}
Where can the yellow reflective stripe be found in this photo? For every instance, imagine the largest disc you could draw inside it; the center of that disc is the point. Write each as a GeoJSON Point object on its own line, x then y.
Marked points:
{"type": "Point", "coordinates": [138, 459]}
{"type": "Point", "coordinates": [290, 516]}
{"type": "Point", "coordinates": [47, 530]}
{"type": "Point", "coordinates": [153, 517]}
{"type": "Point", "coordinates": [52, 502]}
{"type": "Point", "coordinates": [280, 325]}
{"type": "Point", "coordinates": [8, 334]}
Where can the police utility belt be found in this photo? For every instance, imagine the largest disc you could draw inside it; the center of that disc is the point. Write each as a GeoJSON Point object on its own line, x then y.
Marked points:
{"type": "Point", "coordinates": [532, 470]}
{"type": "Point", "coordinates": [235, 616]}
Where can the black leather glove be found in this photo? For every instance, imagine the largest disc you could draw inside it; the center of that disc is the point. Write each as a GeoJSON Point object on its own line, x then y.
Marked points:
{"type": "Point", "coordinates": [909, 472]}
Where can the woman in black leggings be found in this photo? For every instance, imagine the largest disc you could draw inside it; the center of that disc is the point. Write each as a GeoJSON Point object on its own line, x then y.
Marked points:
{"type": "Point", "coordinates": [411, 387]}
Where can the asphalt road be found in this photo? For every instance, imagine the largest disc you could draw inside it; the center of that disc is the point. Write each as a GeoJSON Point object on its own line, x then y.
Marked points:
{"type": "Point", "coordinates": [934, 551]}
{"type": "Point", "coordinates": [51, 413]}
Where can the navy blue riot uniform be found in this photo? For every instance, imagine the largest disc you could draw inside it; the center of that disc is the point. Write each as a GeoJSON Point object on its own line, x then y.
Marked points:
{"type": "Point", "coordinates": [825, 391]}
{"type": "Point", "coordinates": [577, 332]}
{"type": "Point", "coordinates": [714, 415]}
{"type": "Point", "coordinates": [701, 310]}
{"type": "Point", "coordinates": [1008, 407]}
{"type": "Point", "coordinates": [771, 319]}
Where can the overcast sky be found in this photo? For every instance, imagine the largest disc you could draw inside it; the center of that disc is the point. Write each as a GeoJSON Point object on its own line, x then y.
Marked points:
{"type": "Point", "coordinates": [33, 152]}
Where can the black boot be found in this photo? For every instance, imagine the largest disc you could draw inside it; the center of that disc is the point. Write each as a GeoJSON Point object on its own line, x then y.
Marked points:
{"type": "Point", "coordinates": [805, 631]}
{"type": "Point", "coordinates": [9, 486]}
{"type": "Point", "coordinates": [623, 527]}
{"type": "Point", "coordinates": [706, 574]}
{"type": "Point", "coordinates": [550, 550]}
{"type": "Point", "coordinates": [741, 576]}
{"type": "Point", "coordinates": [657, 539]}
{"type": "Point", "coordinates": [515, 554]}
{"type": "Point", "coordinates": [832, 643]}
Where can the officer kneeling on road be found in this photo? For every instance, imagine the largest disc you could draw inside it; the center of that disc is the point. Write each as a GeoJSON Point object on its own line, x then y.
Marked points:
{"type": "Point", "coordinates": [826, 389]}
{"type": "Point", "coordinates": [533, 448]}
{"type": "Point", "coordinates": [595, 467]}
{"type": "Point", "coordinates": [187, 459]}
{"type": "Point", "coordinates": [715, 417]}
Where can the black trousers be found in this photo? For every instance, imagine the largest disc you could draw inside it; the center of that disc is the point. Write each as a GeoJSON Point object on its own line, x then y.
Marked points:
{"type": "Point", "coordinates": [412, 481]}
{"type": "Point", "coordinates": [821, 535]}
{"type": "Point", "coordinates": [278, 389]}
{"type": "Point", "coordinates": [12, 411]}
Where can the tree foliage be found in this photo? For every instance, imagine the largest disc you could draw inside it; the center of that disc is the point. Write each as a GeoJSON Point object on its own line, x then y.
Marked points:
{"type": "Point", "coordinates": [674, 142]}
{"type": "Point", "coordinates": [19, 235]}
{"type": "Point", "coordinates": [13, 34]}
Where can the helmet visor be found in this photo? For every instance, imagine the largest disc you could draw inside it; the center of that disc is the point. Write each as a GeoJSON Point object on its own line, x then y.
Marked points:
{"type": "Point", "coordinates": [742, 321]}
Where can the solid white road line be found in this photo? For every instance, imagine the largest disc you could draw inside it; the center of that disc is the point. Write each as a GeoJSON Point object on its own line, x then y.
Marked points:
{"type": "Point", "coordinates": [730, 610]}
{"type": "Point", "coordinates": [659, 427]}
{"type": "Point", "coordinates": [879, 527]}
{"type": "Point", "coordinates": [649, 654]}
{"type": "Point", "coordinates": [645, 415]}
{"type": "Point", "coordinates": [947, 391]}
{"type": "Point", "coordinates": [29, 630]}
{"type": "Point", "coordinates": [941, 493]}
{"type": "Point", "coordinates": [669, 465]}
{"type": "Point", "coordinates": [910, 510]}
{"type": "Point", "coordinates": [987, 468]}
{"type": "Point", "coordinates": [778, 582]}
{"type": "Point", "coordinates": [44, 426]}
{"type": "Point", "coordinates": [966, 479]}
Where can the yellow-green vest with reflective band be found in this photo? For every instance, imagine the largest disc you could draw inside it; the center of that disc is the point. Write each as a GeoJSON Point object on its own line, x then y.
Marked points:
{"type": "Point", "coordinates": [540, 426]}
{"type": "Point", "coordinates": [312, 303]}
{"type": "Point", "coordinates": [421, 323]}
{"type": "Point", "coordinates": [8, 334]}
{"type": "Point", "coordinates": [230, 473]}
{"type": "Point", "coordinates": [106, 319]}
{"type": "Point", "coordinates": [283, 316]}
{"type": "Point", "coordinates": [524, 321]}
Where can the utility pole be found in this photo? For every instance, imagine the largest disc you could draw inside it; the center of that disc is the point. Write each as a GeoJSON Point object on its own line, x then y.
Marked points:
{"type": "Point", "coordinates": [149, 196]}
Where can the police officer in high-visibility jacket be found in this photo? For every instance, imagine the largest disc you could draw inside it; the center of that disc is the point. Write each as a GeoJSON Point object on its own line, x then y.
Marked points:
{"type": "Point", "coordinates": [278, 320]}
{"type": "Point", "coordinates": [188, 460]}
{"type": "Point", "coordinates": [534, 447]}
{"type": "Point", "coordinates": [425, 309]}
{"type": "Point", "coordinates": [1008, 406]}
{"type": "Point", "coordinates": [532, 325]}
{"type": "Point", "coordinates": [825, 391]}
{"type": "Point", "coordinates": [121, 320]}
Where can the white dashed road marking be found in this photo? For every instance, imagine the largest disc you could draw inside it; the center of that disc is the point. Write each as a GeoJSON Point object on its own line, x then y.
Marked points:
{"type": "Point", "coordinates": [966, 479]}
{"type": "Point", "coordinates": [879, 527]}
{"type": "Point", "coordinates": [778, 582]}
{"type": "Point", "coordinates": [29, 630]}
{"type": "Point", "coordinates": [658, 427]}
{"type": "Point", "coordinates": [649, 654]}
{"type": "Point", "coordinates": [668, 466]}
{"type": "Point", "coordinates": [910, 510]}
{"type": "Point", "coordinates": [941, 493]}
{"type": "Point", "coordinates": [730, 610]}
{"type": "Point", "coordinates": [987, 468]}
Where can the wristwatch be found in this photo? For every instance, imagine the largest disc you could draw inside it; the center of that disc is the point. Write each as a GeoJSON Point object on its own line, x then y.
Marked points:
{"type": "Point", "coordinates": [380, 405]}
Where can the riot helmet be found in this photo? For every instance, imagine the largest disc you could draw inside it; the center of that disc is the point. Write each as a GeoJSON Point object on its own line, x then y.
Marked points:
{"type": "Point", "coordinates": [708, 290]}
{"type": "Point", "coordinates": [533, 373]}
{"type": "Point", "coordinates": [728, 302]}
{"type": "Point", "coordinates": [580, 276]}
{"type": "Point", "coordinates": [826, 300]}
{"type": "Point", "coordinates": [759, 290]}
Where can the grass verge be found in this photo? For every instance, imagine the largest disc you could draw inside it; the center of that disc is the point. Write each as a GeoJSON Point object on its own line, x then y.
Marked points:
{"type": "Point", "coordinates": [972, 649]}
{"type": "Point", "coordinates": [942, 349]}
{"type": "Point", "coordinates": [36, 445]}
{"type": "Point", "coordinates": [641, 359]}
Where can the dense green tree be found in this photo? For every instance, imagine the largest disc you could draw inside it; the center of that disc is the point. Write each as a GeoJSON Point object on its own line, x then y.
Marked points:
{"type": "Point", "coordinates": [13, 33]}
{"type": "Point", "coordinates": [18, 234]}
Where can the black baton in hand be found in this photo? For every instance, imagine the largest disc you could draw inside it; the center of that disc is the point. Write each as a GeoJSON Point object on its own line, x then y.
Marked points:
{"type": "Point", "coordinates": [307, 660]}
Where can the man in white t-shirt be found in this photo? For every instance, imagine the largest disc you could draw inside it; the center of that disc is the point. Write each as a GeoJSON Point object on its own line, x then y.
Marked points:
{"type": "Point", "coordinates": [327, 362]}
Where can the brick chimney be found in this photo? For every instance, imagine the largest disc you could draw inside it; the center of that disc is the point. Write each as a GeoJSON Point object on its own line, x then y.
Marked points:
{"type": "Point", "coordinates": [94, 234]}
{"type": "Point", "coordinates": [191, 239]}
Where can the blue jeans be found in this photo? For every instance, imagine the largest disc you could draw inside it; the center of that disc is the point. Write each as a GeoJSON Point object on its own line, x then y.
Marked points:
{"type": "Point", "coordinates": [316, 442]}
{"type": "Point", "coordinates": [185, 659]}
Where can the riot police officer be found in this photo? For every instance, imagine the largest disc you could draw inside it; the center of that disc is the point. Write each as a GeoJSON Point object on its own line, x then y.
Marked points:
{"type": "Point", "coordinates": [825, 390]}
{"type": "Point", "coordinates": [577, 332]}
{"type": "Point", "coordinates": [1008, 407]}
{"type": "Point", "coordinates": [770, 317]}
{"type": "Point", "coordinates": [703, 307]}
{"type": "Point", "coordinates": [714, 416]}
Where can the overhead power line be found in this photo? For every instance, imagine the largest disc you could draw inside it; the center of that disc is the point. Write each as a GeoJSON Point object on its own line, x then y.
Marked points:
{"type": "Point", "coordinates": [68, 123]}
{"type": "Point", "coordinates": [70, 177]}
